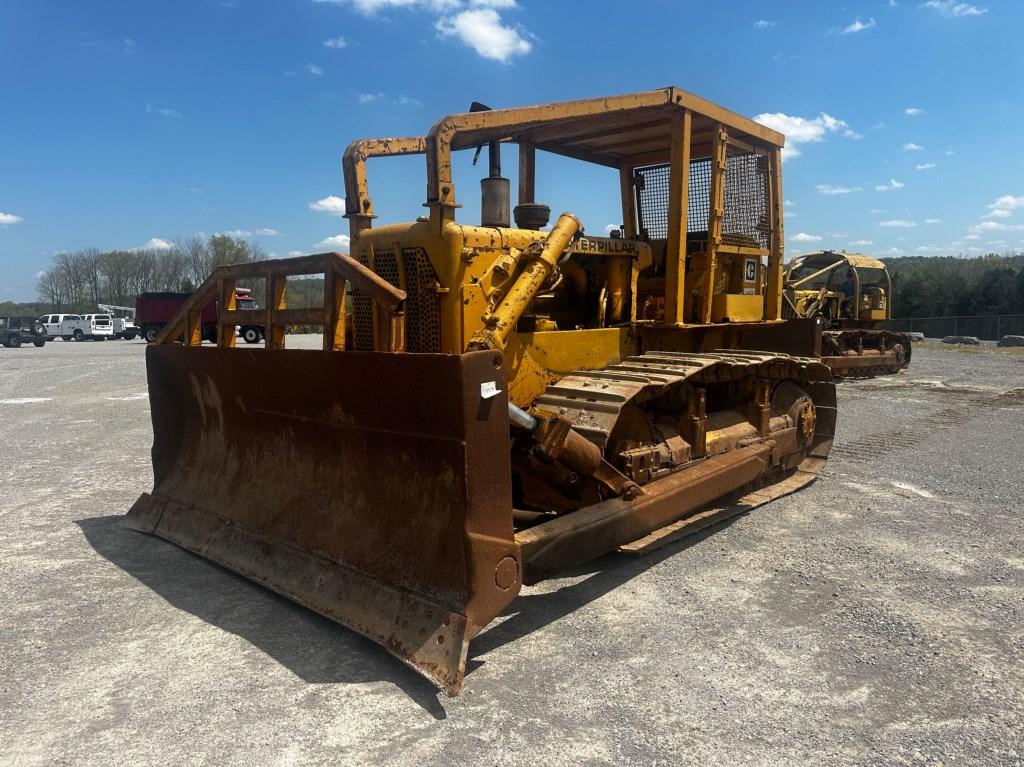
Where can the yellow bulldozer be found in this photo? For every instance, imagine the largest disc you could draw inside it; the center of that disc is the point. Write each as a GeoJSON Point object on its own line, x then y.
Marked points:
{"type": "Point", "coordinates": [852, 294]}
{"type": "Point", "coordinates": [503, 401]}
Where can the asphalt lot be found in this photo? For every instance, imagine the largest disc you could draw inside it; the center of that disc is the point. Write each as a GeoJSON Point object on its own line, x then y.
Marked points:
{"type": "Point", "coordinates": [876, 617]}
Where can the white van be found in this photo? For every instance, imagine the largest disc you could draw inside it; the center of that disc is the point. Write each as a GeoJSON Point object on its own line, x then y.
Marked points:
{"type": "Point", "coordinates": [98, 327]}
{"type": "Point", "coordinates": [55, 325]}
{"type": "Point", "coordinates": [79, 327]}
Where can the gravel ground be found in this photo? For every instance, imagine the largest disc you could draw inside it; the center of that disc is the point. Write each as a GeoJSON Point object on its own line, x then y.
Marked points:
{"type": "Point", "coordinates": [873, 618]}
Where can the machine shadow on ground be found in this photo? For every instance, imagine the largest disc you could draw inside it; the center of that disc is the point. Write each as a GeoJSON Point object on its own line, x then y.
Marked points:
{"type": "Point", "coordinates": [532, 611]}
{"type": "Point", "coordinates": [312, 647]}
{"type": "Point", "coordinates": [319, 650]}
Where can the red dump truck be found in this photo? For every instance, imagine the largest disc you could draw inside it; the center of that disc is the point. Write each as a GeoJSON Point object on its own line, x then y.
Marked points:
{"type": "Point", "coordinates": [154, 310]}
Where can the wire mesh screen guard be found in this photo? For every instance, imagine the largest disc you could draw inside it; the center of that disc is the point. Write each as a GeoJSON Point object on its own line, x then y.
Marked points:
{"type": "Point", "coordinates": [747, 217]}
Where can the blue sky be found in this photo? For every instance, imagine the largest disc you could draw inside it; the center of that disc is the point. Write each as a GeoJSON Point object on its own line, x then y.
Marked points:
{"type": "Point", "coordinates": [127, 123]}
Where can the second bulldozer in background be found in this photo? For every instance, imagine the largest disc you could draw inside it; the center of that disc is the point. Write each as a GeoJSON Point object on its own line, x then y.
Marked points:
{"type": "Point", "coordinates": [852, 293]}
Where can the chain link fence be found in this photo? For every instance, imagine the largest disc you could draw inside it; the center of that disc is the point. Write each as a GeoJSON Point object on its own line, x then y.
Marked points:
{"type": "Point", "coordinates": [990, 328]}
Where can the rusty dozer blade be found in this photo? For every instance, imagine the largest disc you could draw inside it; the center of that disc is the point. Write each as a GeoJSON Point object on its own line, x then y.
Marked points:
{"type": "Point", "coordinates": [317, 475]}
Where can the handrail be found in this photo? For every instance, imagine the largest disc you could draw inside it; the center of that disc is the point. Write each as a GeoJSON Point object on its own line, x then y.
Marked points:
{"type": "Point", "coordinates": [338, 270]}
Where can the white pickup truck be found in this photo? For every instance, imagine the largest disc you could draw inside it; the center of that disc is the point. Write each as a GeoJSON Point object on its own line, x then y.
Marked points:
{"type": "Point", "coordinates": [98, 327]}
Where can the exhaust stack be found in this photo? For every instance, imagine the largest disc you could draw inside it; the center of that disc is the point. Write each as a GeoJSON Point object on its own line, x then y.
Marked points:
{"type": "Point", "coordinates": [495, 191]}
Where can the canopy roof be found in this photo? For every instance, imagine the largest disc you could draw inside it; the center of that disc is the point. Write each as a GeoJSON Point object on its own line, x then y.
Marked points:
{"type": "Point", "coordinates": [629, 130]}
{"type": "Point", "coordinates": [826, 257]}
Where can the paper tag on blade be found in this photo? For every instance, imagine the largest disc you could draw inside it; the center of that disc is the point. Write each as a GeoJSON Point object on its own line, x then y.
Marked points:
{"type": "Point", "coordinates": [489, 389]}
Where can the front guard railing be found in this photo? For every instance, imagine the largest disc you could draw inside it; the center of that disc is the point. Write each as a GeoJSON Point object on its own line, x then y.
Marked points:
{"type": "Point", "coordinates": [338, 269]}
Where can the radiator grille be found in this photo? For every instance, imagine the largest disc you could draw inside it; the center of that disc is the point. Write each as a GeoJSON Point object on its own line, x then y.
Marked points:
{"type": "Point", "coordinates": [422, 306]}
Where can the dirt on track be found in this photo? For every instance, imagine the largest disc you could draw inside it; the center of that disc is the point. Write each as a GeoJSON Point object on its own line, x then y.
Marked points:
{"type": "Point", "coordinates": [876, 617]}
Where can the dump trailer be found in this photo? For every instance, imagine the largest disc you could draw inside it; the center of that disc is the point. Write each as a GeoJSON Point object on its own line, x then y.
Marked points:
{"type": "Point", "coordinates": [852, 294]}
{"type": "Point", "coordinates": [514, 400]}
{"type": "Point", "coordinates": [153, 310]}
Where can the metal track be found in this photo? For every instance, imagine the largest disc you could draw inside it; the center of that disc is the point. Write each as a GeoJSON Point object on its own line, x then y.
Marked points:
{"type": "Point", "coordinates": [859, 365]}
{"type": "Point", "coordinates": [698, 494]}
{"type": "Point", "coordinates": [593, 399]}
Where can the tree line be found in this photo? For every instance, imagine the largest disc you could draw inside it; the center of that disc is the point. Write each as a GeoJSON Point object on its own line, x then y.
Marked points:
{"type": "Point", "coordinates": [77, 282]}
{"type": "Point", "coordinates": [923, 286]}
{"type": "Point", "coordinates": [944, 286]}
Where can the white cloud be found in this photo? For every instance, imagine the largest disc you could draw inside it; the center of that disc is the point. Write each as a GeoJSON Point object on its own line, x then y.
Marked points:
{"type": "Point", "coordinates": [897, 223]}
{"type": "Point", "coordinates": [155, 243]}
{"type": "Point", "coordinates": [763, 24]}
{"type": "Point", "coordinates": [164, 112]}
{"type": "Point", "coordinates": [933, 220]}
{"type": "Point", "coordinates": [949, 153]}
{"type": "Point", "coordinates": [858, 26]}
{"type": "Point", "coordinates": [803, 237]}
{"type": "Point", "coordinates": [995, 242]}
{"type": "Point", "coordinates": [930, 249]}
{"type": "Point", "coordinates": [609, 228]}
{"type": "Point", "coordinates": [7, 219]}
{"type": "Point", "coordinates": [998, 213]}
{"type": "Point", "coordinates": [925, 166]}
{"type": "Point", "coordinates": [314, 70]}
{"type": "Point", "coordinates": [788, 203]}
{"type": "Point", "coordinates": [893, 251]}
{"type": "Point", "coordinates": [1008, 202]}
{"type": "Point", "coordinates": [506, 4]}
{"type": "Point", "coordinates": [997, 226]}
{"type": "Point", "coordinates": [952, 9]}
{"type": "Point", "coordinates": [267, 232]}
{"type": "Point", "coordinates": [893, 184]}
{"type": "Point", "coordinates": [401, 99]}
{"type": "Point", "coordinates": [858, 243]}
{"type": "Point", "coordinates": [912, 147]}
{"type": "Point", "coordinates": [129, 46]}
{"type": "Point", "coordinates": [292, 253]}
{"type": "Point", "coordinates": [338, 242]}
{"type": "Point", "coordinates": [973, 237]}
{"type": "Point", "coordinates": [852, 135]}
{"type": "Point", "coordinates": [483, 31]}
{"type": "Point", "coordinates": [913, 112]}
{"type": "Point", "coordinates": [829, 189]}
{"type": "Point", "coordinates": [335, 42]}
{"type": "Point", "coordinates": [800, 130]}
{"type": "Point", "coordinates": [330, 204]}
{"type": "Point", "coordinates": [372, 7]}
{"type": "Point", "coordinates": [235, 233]}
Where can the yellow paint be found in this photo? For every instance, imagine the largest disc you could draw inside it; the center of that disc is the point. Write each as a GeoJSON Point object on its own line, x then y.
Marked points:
{"type": "Point", "coordinates": [487, 279]}
{"type": "Point", "coordinates": [736, 308]}
{"type": "Point", "coordinates": [534, 360]}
